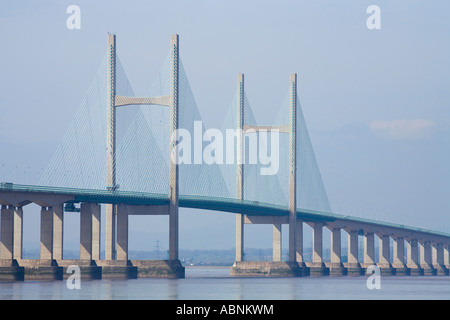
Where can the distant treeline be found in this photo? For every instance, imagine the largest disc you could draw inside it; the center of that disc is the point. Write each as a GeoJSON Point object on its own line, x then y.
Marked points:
{"type": "Point", "coordinates": [203, 257]}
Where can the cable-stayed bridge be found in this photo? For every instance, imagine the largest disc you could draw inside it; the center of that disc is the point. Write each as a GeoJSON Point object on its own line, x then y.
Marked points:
{"type": "Point", "coordinates": [152, 155]}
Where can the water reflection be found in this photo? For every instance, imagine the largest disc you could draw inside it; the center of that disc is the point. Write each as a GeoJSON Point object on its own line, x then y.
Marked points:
{"type": "Point", "coordinates": [216, 284]}
{"type": "Point", "coordinates": [173, 289]}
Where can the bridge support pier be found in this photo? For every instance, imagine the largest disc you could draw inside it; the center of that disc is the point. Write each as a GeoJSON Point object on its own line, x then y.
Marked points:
{"type": "Point", "coordinates": [304, 270]}
{"type": "Point", "coordinates": [46, 233]}
{"type": "Point", "coordinates": [123, 267]}
{"type": "Point", "coordinates": [47, 268]}
{"type": "Point", "coordinates": [277, 267]}
{"type": "Point", "coordinates": [276, 240]}
{"type": "Point", "coordinates": [438, 259]}
{"type": "Point", "coordinates": [120, 267]}
{"type": "Point", "coordinates": [353, 266]}
{"type": "Point", "coordinates": [90, 215]}
{"type": "Point", "coordinates": [447, 256]}
{"type": "Point", "coordinates": [336, 267]}
{"type": "Point", "coordinates": [369, 250]}
{"type": "Point", "coordinates": [18, 233]}
{"type": "Point", "coordinates": [412, 258]}
{"type": "Point", "coordinates": [384, 262]}
{"type": "Point", "coordinates": [265, 269]}
{"type": "Point", "coordinates": [7, 233]}
{"type": "Point", "coordinates": [399, 256]}
{"type": "Point", "coordinates": [426, 258]}
{"type": "Point", "coordinates": [122, 234]}
{"type": "Point", "coordinates": [9, 269]}
{"type": "Point", "coordinates": [239, 237]}
{"type": "Point", "coordinates": [317, 267]}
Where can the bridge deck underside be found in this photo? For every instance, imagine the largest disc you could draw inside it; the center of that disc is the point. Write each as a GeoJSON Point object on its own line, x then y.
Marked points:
{"type": "Point", "coordinates": [246, 207]}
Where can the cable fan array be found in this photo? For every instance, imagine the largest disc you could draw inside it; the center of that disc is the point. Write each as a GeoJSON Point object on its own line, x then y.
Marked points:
{"type": "Point", "coordinates": [143, 148]}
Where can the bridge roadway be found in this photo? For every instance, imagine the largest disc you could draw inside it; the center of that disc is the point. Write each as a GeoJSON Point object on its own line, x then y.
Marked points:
{"type": "Point", "coordinates": [426, 251]}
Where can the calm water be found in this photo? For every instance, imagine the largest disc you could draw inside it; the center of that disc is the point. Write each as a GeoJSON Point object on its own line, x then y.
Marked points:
{"type": "Point", "coordinates": [216, 284]}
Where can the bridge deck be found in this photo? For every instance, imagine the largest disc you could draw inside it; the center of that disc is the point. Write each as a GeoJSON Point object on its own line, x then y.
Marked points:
{"type": "Point", "coordinates": [247, 207]}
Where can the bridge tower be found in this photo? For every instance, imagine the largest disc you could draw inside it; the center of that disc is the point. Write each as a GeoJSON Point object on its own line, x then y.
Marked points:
{"type": "Point", "coordinates": [240, 168]}
{"type": "Point", "coordinates": [173, 174]}
{"type": "Point", "coordinates": [293, 170]}
{"type": "Point", "coordinates": [294, 266]}
{"type": "Point", "coordinates": [111, 209]}
{"type": "Point", "coordinates": [114, 101]}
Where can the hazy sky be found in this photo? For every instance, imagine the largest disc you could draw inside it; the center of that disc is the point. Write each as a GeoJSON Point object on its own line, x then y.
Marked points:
{"type": "Point", "coordinates": [376, 102]}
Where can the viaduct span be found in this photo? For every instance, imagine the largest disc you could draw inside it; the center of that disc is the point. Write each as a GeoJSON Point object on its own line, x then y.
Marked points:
{"type": "Point", "coordinates": [403, 250]}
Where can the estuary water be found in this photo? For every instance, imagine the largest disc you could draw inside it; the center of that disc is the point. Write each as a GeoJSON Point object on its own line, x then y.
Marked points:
{"type": "Point", "coordinates": [214, 283]}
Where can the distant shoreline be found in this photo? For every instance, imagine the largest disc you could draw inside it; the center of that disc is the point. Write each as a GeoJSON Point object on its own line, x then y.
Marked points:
{"type": "Point", "coordinates": [200, 267]}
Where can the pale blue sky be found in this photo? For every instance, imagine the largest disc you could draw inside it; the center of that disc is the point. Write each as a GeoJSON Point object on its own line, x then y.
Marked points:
{"type": "Point", "coordinates": [376, 101]}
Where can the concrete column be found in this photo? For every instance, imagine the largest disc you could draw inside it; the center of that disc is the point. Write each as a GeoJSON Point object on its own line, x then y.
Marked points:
{"type": "Point", "coordinates": [276, 256]}
{"type": "Point", "coordinates": [438, 259]}
{"type": "Point", "coordinates": [110, 235]}
{"type": "Point", "coordinates": [369, 248]}
{"type": "Point", "coordinates": [293, 170]}
{"type": "Point", "coordinates": [336, 246]}
{"type": "Point", "coordinates": [86, 231]}
{"type": "Point", "coordinates": [412, 254]}
{"type": "Point", "coordinates": [438, 254]}
{"type": "Point", "coordinates": [122, 234]}
{"type": "Point", "coordinates": [399, 252]}
{"type": "Point", "coordinates": [299, 240]}
{"type": "Point", "coordinates": [425, 255]}
{"type": "Point", "coordinates": [58, 231]}
{"type": "Point", "coordinates": [173, 170]}
{"type": "Point", "coordinates": [317, 243]}
{"type": "Point", "coordinates": [239, 237]}
{"type": "Point", "coordinates": [111, 114]}
{"type": "Point", "coordinates": [447, 255]}
{"type": "Point", "coordinates": [7, 233]}
{"type": "Point", "coordinates": [46, 233]}
{"type": "Point", "coordinates": [353, 247]}
{"type": "Point", "coordinates": [96, 231]}
{"type": "Point", "coordinates": [240, 167]}
{"type": "Point", "coordinates": [18, 233]}
{"type": "Point", "coordinates": [385, 254]}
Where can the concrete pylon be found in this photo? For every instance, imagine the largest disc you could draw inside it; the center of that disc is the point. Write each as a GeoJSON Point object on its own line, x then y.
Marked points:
{"type": "Point", "coordinates": [18, 233]}
{"type": "Point", "coordinates": [240, 167]}
{"type": "Point", "coordinates": [384, 262]}
{"type": "Point", "coordinates": [58, 231]}
{"type": "Point", "coordinates": [353, 265]}
{"type": "Point", "coordinates": [116, 246]}
{"type": "Point", "coordinates": [295, 265]}
{"type": "Point", "coordinates": [46, 234]}
{"type": "Point", "coordinates": [399, 256]}
{"type": "Point", "coordinates": [110, 236]}
{"type": "Point", "coordinates": [293, 170]}
{"type": "Point", "coordinates": [90, 231]}
{"type": "Point", "coordinates": [412, 257]}
{"type": "Point", "coordinates": [317, 267]}
{"type": "Point", "coordinates": [7, 233]}
{"type": "Point", "coordinates": [276, 254]}
{"type": "Point", "coordinates": [122, 234]}
{"type": "Point", "coordinates": [426, 258]}
{"type": "Point", "coordinates": [447, 255]}
{"type": "Point", "coordinates": [438, 259]}
{"type": "Point", "coordinates": [369, 249]}
{"type": "Point", "coordinates": [336, 266]}
{"type": "Point", "coordinates": [173, 170]}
